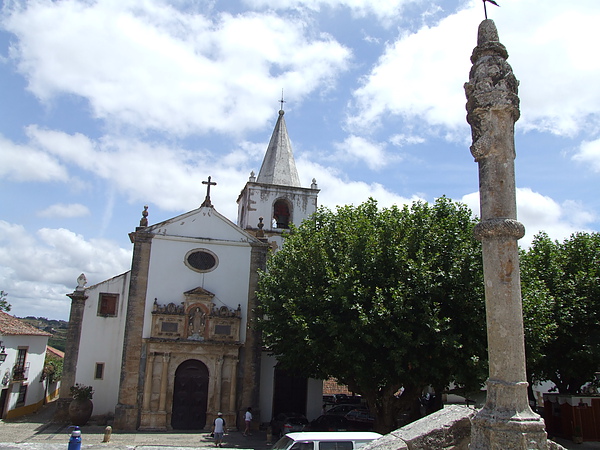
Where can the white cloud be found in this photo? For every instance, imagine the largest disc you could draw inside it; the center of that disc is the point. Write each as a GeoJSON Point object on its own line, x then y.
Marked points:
{"type": "Point", "coordinates": [151, 173]}
{"type": "Point", "coordinates": [66, 211]}
{"type": "Point", "coordinates": [137, 169]}
{"type": "Point", "coordinates": [538, 212]}
{"type": "Point", "coordinates": [27, 163]}
{"type": "Point", "coordinates": [337, 190]}
{"type": "Point", "coordinates": [549, 51]}
{"type": "Point", "coordinates": [356, 148]}
{"type": "Point", "coordinates": [38, 270]}
{"type": "Point", "coordinates": [360, 8]}
{"type": "Point", "coordinates": [589, 154]}
{"type": "Point", "coordinates": [420, 75]}
{"type": "Point", "coordinates": [148, 65]}
{"type": "Point", "coordinates": [401, 139]}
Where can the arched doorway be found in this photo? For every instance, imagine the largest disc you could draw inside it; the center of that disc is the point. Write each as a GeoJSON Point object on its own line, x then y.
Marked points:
{"type": "Point", "coordinates": [190, 395]}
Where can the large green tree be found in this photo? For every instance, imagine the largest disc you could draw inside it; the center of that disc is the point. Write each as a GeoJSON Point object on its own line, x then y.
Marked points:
{"type": "Point", "coordinates": [387, 301]}
{"type": "Point", "coordinates": [561, 305]}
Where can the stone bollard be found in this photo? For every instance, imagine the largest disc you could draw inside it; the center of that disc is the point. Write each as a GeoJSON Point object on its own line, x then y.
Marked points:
{"type": "Point", "coordinates": [107, 433]}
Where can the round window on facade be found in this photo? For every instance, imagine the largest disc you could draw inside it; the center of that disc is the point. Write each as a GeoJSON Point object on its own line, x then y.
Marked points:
{"type": "Point", "coordinates": [201, 260]}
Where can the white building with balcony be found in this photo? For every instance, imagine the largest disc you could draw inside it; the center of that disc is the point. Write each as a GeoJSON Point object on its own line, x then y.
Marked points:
{"type": "Point", "coordinates": [22, 356]}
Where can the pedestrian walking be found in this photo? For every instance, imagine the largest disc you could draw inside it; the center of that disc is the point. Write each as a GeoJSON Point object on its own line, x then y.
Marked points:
{"type": "Point", "coordinates": [219, 430]}
{"type": "Point", "coordinates": [248, 420]}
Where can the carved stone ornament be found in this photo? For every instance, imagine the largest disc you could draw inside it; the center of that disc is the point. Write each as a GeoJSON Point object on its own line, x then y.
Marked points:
{"type": "Point", "coordinates": [144, 219]}
{"type": "Point", "coordinates": [491, 90]}
{"type": "Point", "coordinates": [170, 308]}
{"type": "Point", "coordinates": [225, 311]}
{"type": "Point", "coordinates": [81, 282]}
{"type": "Point", "coordinates": [499, 227]}
{"type": "Point", "coordinates": [196, 324]}
{"type": "Point", "coordinates": [199, 321]}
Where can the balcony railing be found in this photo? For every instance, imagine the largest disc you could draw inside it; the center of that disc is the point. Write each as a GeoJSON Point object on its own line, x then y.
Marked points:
{"type": "Point", "coordinates": [20, 372]}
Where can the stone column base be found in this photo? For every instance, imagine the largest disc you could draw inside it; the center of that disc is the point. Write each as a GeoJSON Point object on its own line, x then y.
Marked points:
{"type": "Point", "coordinates": [491, 433]}
{"type": "Point", "coordinates": [507, 421]}
{"type": "Point", "coordinates": [126, 418]}
{"type": "Point", "coordinates": [154, 421]}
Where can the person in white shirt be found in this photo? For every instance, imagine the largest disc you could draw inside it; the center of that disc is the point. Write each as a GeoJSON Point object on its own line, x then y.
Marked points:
{"type": "Point", "coordinates": [248, 420]}
{"type": "Point", "coordinates": [219, 430]}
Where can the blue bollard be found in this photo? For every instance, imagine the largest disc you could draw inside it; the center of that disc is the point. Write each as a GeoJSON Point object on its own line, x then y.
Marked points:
{"type": "Point", "coordinates": [75, 440]}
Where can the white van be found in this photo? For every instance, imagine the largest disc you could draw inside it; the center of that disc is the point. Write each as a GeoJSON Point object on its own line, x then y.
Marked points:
{"type": "Point", "coordinates": [325, 440]}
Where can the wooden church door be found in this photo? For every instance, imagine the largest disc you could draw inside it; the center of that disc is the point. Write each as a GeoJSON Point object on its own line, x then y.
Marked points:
{"type": "Point", "coordinates": [190, 396]}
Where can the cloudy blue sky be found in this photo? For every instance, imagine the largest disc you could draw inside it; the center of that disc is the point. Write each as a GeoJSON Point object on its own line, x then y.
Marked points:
{"type": "Point", "coordinates": [108, 105]}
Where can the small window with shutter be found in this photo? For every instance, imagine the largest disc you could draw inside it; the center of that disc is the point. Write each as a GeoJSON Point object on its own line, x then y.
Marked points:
{"type": "Point", "coordinates": [107, 305]}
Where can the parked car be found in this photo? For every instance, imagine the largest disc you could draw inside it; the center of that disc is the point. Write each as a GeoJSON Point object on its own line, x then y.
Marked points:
{"type": "Point", "coordinates": [342, 410]}
{"type": "Point", "coordinates": [339, 399]}
{"type": "Point", "coordinates": [328, 399]}
{"type": "Point", "coordinates": [285, 423]}
{"type": "Point", "coordinates": [345, 440]}
{"type": "Point", "coordinates": [330, 422]}
{"type": "Point", "coordinates": [360, 420]}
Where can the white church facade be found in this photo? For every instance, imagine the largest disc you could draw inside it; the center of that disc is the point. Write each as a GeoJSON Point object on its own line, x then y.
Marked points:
{"type": "Point", "coordinates": [169, 344]}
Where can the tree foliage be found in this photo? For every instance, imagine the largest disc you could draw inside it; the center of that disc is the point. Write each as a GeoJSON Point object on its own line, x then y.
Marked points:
{"type": "Point", "coordinates": [4, 305]}
{"type": "Point", "coordinates": [561, 304]}
{"type": "Point", "coordinates": [53, 368]}
{"type": "Point", "coordinates": [383, 300]}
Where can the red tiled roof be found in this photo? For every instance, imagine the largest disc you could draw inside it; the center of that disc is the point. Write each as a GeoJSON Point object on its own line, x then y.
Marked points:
{"type": "Point", "coordinates": [54, 351]}
{"type": "Point", "coordinates": [10, 325]}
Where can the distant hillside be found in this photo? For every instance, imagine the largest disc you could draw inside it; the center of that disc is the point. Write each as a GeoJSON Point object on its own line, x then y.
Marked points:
{"type": "Point", "coordinates": [58, 328]}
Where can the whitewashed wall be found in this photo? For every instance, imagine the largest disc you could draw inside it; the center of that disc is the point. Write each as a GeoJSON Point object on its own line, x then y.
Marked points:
{"type": "Point", "coordinates": [102, 342]}
{"type": "Point", "coordinates": [36, 354]}
{"type": "Point", "coordinates": [169, 277]}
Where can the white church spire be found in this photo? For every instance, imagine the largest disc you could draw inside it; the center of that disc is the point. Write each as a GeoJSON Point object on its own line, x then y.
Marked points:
{"type": "Point", "coordinates": [279, 166]}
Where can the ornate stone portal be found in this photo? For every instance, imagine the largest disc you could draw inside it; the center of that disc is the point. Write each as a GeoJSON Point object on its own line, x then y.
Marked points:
{"type": "Point", "coordinates": [506, 421]}
{"type": "Point", "coordinates": [194, 333]}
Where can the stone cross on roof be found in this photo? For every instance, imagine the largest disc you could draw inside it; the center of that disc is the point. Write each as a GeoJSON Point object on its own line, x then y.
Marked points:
{"type": "Point", "coordinates": [206, 201]}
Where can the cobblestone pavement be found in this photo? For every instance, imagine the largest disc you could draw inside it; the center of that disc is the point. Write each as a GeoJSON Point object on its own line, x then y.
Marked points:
{"type": "Point", "coordinates": [37, 432]}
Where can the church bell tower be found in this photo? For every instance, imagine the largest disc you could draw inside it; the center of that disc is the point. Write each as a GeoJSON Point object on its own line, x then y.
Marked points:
{"type": "Point", "coordinates": [269, 203]}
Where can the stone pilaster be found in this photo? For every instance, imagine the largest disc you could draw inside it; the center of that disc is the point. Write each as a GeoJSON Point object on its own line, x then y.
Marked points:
{"type": "Point", "coordinates": [232, 389]}
{"type": "Point", "coordinates": [127, 411]}
{"type": "Point", "coordinates": [219, 382]}
{"type": "Point", "coordinates": [250, 354]}
{"type": "Point", "coordinates": [164, 382]}
{"type": "Point", "coordinates": [148, 382]}
{"type": "Point", "coordinates": [78, 298]}
{"type": "Point", "coordinates": [506, 420]}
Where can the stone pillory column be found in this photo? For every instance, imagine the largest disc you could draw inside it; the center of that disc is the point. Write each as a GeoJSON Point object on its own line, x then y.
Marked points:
{"type": "Point", "coordinates": [506, 421]}
{"type": "Point", "coordinates": [133, 365]}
